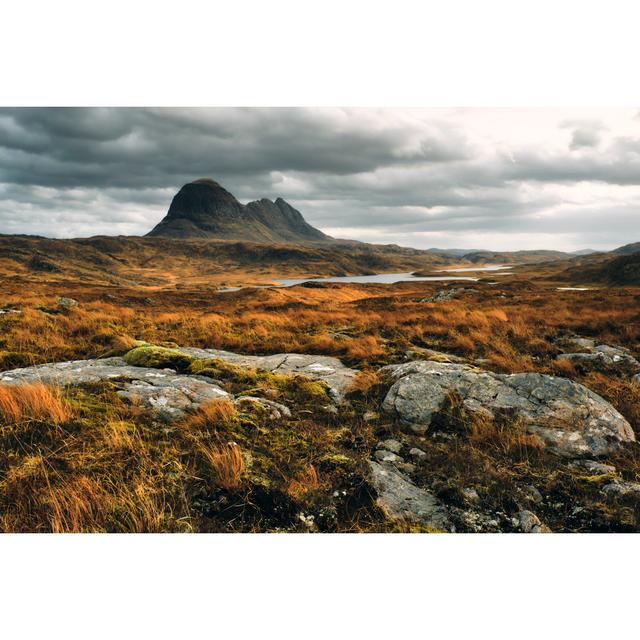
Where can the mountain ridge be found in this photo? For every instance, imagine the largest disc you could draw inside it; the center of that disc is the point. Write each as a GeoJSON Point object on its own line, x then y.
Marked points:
{"type": "Point", "coordinates": [205, 209]}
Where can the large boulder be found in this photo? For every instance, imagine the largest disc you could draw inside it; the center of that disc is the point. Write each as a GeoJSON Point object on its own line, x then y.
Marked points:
{"type": "Point", "coordinates": [168, 395]}
{"type": "Point", "coordinates": [570, 419]}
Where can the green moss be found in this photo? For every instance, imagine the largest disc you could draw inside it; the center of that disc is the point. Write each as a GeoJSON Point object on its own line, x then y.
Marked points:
{"type": "Point", "coordinates": [158, 358]}
{"type": "Point", "coordinates": [599, 478]}
{"type": "Point", "coordinates": [300, 389]}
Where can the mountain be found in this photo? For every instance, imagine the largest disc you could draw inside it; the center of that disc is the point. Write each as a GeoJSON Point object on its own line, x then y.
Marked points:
{"type": "Point", "coordinates": [205, 209]}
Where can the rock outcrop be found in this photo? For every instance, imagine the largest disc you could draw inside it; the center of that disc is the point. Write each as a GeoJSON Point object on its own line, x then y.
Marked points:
{"type": "Point", "coordinates": [204, 209]}
{"type": "Point", "coordinates": [329, 370]}
{"type": "Point", "coordinates": [601, 356]}
{"type": "Point", "coordinates": [169, 395]}
{"type": "Point", "coordinates": [569, 418]}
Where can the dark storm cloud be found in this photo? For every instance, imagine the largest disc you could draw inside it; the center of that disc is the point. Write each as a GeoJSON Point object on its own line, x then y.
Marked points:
{"type": "Point", "coordinates": [72, 172]}
{"type": "Point", "coordinates": [153, 147]}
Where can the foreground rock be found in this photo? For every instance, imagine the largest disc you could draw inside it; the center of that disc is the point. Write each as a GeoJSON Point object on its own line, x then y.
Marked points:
{"type": "Point", "coordinates": [169, 395]}
{"type": "Point", "coordinates": [528, 522]}
{"type": "Point", "coordinates": [326, 369]}
{"type": "Point", "coordinates": [569, 418]}
{"type": "Point", "coordinates": [401, 500]}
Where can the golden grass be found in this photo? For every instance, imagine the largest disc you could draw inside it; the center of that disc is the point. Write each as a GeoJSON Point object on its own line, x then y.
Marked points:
{"type": "Point", "coordinates": [36, 401]}
{"type": "Point", "coordinates": [226, 463]}
{"type": "Point", "coordinates": [212, 414]}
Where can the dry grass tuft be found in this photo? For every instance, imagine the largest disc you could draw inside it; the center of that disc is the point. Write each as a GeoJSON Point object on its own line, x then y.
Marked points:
{"type": "Point", "coordinates": [304, 482]}
{"type": "Point", "coordinates": [226, 462]}
{"type": "Point", "coordinates": [25, 402]}
{"type": "Point", "coordinates": [364, 382]}
{"type": "Point", "coordinates": [212, 414]}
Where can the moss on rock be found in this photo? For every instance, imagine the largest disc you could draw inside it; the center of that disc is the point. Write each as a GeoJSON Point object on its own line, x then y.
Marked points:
{"type": "Point", "coordinates": [158, 358]}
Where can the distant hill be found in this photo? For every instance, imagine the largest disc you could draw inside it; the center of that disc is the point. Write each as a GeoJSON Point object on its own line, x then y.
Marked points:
{"type": "Point", "coordinates": [583, 252]}
{"type": "Point", "coordinates": [162, 261]}
{"type": "Point", "coordinates": [452, 252]}
{"type": "Point", "coordinates": [518, 257]}
{"type": "Point", "coordinates": [205, 209]}
{"type": "Point", "coordinates": [628, 249]}
{"type": "Point", "coordinates": [619, 267]}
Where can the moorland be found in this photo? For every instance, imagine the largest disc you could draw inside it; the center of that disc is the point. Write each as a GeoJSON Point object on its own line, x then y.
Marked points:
{"type": "Point", "coordinates": [138, 395]}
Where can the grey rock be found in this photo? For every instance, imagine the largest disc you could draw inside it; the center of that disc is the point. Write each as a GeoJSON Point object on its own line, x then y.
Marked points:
{"type": "Point", "coordinates": [447, 294]}
{"type": "Point", "coordinates": [276, 410]}
{"type": "Point", "coordinates": [169, 395]}
{"type": "Point", "coordinates": [386, 456]}
{"type": "Point", "coordinates": [601, 356]}
{"type": "Point", "coordinates": [570, 419]}
{"type": "Point", "coordinates": [532, 494]}
{"type": "Point", "coordinates": [583, 343]}
{"type": "Point", "coordinates": [67, 303]}
{"type": "Point", "coordinates": [390, 445]}
{"type": "Point", "coordinates": [329, 370]}
{"type": "Point", "coordinates": [470, 494]}
{"type": "Point", "coordinates": [417, 454]}
{"type": "Point", "coordinates": [592, 467]}
{"type": "Point", "coordinates": [620, 488]}
{"type": "Point", "coordinates": [401, 500]}
{"type": "Point", "coordinates": [405, 467]}
{"type": "Point", "coordinates": [479, 522]}
{"type": "Point", "coordinates": [528, 522]}
{"type": "Point", "coordinates": [636, 379]}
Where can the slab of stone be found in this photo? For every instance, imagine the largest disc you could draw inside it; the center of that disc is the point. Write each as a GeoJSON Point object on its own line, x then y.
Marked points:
{"type": "Point", "coordinates": [601, 356]}
{"type": "Point", "coordinates": [570, 419]}
{"type": "Point", "coordinates": [170, 396]}
{"type": "Point", "coordinates": [327, 369]}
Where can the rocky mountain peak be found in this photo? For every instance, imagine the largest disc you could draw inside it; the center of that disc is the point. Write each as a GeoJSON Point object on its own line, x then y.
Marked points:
{"type": "Point", "coordinates": [205, 209]}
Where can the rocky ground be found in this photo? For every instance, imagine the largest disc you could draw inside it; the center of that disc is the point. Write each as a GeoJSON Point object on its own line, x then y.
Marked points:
{"type": "Point", "coordinates": [295, 442]}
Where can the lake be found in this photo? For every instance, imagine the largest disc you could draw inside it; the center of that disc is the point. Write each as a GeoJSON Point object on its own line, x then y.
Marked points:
{"type": "Point", "coordinates": [378, 278]}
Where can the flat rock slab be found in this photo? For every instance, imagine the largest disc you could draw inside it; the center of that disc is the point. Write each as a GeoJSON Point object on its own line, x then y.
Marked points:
{"type": "Point", "coordinates": [571, 420]}
{"type": "Point", "coordinates": [601, 356]}
{"type": "Point", "coordinates": [329, 370]}
{"type": "Point", "coordinates": [401, 500]}
{"type": "Point", "coordinates": [169, 395]}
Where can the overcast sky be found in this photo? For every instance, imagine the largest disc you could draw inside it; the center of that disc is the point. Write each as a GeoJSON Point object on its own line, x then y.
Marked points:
{"type": "Point", "coordinates": [453, 178]}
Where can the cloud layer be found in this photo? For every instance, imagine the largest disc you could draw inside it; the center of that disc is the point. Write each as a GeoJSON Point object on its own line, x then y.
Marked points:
{"type": "Point", "coordinates": [481, 178]}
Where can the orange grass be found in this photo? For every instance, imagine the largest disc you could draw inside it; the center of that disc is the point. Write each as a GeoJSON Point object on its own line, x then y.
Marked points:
{"type": "Point", "coordinates": [35, 401]}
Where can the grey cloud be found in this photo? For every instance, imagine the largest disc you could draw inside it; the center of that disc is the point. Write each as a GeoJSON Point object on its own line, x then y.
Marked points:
{"type": "Point", "coordinates": [373, 172]}
{"type": "Point", "coordinates": [584, 133]}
